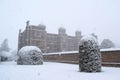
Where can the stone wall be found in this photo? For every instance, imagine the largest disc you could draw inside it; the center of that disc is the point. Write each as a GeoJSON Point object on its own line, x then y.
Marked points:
{"type": "Point", "coordinates": [69, 58]}
{"type": "Point", "coordinates": [109, 58]}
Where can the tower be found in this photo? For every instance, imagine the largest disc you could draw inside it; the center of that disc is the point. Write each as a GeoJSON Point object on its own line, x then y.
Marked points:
{"type": "Point", "coordinates": [63, 39]}
{"type": "Point", "coordinates": [62, 31]}
{"type": "Point", "coordinates": [19, 39]}
{"type": "Point", "coordinates": [27, 40]}
{"type": "Point", "coordinates": [27, 23]}
{"type": "Point", "coordinates": [78, 37]}
{"type": "Point", "coordinates": [40, 36]}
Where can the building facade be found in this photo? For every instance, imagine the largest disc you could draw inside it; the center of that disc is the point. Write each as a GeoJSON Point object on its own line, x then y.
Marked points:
{"type": "Point", "coordinates": [48, 42]}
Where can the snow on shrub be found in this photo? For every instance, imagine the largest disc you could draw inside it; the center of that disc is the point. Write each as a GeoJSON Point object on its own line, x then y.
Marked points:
{"type": "Point", "coordinates": [89, 55]}
{"type": "Point", "coordinates": [5, 56]}
{"type": "Point", "coordinates": [30, 55]}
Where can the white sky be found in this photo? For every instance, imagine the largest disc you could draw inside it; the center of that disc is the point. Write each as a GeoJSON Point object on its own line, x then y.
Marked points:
{"type": "Point", "coordinates": [101, 17]}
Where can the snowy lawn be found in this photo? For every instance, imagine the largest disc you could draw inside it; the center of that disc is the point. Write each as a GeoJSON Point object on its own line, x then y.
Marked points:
{"type": "Point", "coordinates": [53, 71]}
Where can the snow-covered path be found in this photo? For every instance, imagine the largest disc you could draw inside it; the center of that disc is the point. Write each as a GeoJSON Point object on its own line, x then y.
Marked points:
{"type": "Point", "coordinates": [53, 71]}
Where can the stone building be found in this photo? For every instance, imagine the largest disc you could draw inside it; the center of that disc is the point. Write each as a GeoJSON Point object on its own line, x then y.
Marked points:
{"type": "Point", "coordinates": [48, 42]}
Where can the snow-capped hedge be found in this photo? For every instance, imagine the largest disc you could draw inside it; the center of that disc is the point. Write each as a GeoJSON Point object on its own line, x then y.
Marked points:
{"type": "Point", "coordinates": [5, 56]}
{"type": "Point", "coordinates": [30, 55]}
{"type": "Point", "coordinates": [89, 55]}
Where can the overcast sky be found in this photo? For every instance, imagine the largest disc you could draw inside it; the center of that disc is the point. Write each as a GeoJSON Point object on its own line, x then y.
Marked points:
{"type": "Point", "coordinates": [101, 17]}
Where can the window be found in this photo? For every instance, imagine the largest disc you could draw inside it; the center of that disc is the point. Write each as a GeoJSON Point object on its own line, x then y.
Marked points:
{"type": "Point", "coordinates": [38, 34]}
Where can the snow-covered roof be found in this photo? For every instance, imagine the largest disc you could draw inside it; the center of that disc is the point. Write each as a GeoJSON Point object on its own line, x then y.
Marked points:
{"type": "Point", "coordinates": [71, 52]}
{"type": "Point", "coordinates": [111, 49]}
{"type": "Point", "coordinates": [65, 52]}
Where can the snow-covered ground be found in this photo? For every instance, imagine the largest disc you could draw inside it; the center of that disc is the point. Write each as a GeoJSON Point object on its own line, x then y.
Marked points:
{"type": "Point", "coordinates": [53, 71]}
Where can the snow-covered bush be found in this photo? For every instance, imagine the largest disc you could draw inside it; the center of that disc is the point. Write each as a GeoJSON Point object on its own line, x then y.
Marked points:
{"type": "Point", "coordinates": [30, 55]}
{"type": "Point", "coordinates": [89, 55]}
{"type": "Point", "coordinates": [5, 56]}
{"type": "Point", "coordinates": [14, 56]}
